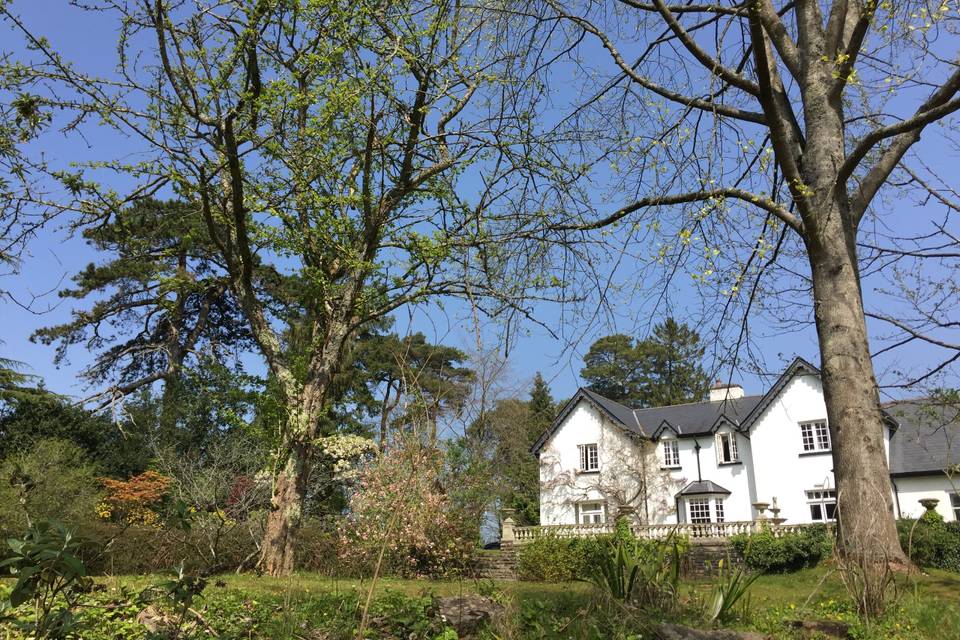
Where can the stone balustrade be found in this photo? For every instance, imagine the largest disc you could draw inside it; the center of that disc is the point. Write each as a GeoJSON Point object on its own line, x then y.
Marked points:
{"type": "Point", "coordinates": [709, 530]}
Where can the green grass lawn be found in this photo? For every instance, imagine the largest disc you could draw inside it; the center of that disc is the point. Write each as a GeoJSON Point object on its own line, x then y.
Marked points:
{"type": "Point", "coordinates": [308, 606]}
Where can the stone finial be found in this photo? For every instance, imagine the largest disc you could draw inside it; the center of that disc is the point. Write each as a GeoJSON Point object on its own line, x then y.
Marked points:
{"type": "Point", "coordinates": [930, 504]}
{"type": "Point", "coordinates": [507, 534]}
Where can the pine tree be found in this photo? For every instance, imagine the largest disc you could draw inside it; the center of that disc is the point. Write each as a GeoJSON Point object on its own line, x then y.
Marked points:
{"type": "Point", "coordinates": [661, 370]}
{"type": "Point", "coordinates": [613, 367]}
{"type": "Point", "coordinates": [542, 407]}
{"type": "Point", "coordinates": [673, 356]}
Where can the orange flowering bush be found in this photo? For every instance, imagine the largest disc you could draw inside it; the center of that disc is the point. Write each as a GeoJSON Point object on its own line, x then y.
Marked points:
{"type": "Point", "coordinates": [136, 500]}
{"type": "Point", "coordinates": [401, 506]}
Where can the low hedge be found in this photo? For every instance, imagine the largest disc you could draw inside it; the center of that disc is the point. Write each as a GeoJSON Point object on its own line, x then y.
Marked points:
{"type": "Point", "coordinates": [553, 559]}
{"type": "Point", "coordinates": [931, 542]}
{"type": "Point", "coordinates": [135, 550]}
{"type": "Point", "coordinates": [767, 553]}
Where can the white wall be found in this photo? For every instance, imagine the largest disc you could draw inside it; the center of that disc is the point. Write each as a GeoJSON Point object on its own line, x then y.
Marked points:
{"type": "Point", "coordinates": [735, 478]}
{"type": "Point", "coordinates": [780, 468]}
{"type": "Point", "coordinates": [621, 464]}
{"type": "Point", "coordinates": [773, 465]}
{"type": "Point", "coordinates": [911, 490]}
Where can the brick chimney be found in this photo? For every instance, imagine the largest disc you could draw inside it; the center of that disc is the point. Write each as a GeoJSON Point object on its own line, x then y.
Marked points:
{"type": "Point", "coordinates": [723, 391]}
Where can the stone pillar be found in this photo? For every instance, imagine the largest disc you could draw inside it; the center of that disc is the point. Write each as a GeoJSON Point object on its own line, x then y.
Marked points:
{"type": "Point", "coordinates": [507, 535]}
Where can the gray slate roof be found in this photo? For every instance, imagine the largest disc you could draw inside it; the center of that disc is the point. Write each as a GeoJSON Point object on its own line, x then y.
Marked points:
{"type": "Point", "coordinates": [701, 487]}
{"type": "Point", "coordinates": [928, 439]}
{"type": "Point", "coordinates": [695, 418]}
{"type": "Point", "coordinates": [622, 413]}
{"type": "Point", "coordinates": [925, 440]}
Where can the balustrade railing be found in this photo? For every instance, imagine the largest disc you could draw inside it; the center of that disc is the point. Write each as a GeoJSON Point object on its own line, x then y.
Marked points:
{"type": "Point", "coordinates": [704, 530]}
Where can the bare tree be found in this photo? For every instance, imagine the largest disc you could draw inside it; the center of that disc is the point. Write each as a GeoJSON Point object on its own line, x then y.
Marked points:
{"type": "Point", "coordinates": [750, 138]}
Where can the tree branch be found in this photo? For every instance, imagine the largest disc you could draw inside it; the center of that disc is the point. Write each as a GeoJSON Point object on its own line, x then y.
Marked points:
{"type": "Point", "coordinates": [905, 134]}
{"type": "Point", "coordinates": [781, 39]}
{"type": "Point", "coordinates": [693, 196]}
{"type": "Point", "coordinates": [631, 73]}
{"type": "Point", "coordinates": [710, 63]}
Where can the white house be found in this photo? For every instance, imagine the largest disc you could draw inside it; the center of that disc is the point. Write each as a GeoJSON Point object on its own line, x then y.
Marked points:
{"type": "Point", "coordinates": [712, 461]}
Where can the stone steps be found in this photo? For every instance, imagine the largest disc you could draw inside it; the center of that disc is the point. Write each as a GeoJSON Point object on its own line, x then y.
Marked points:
{"type": "Point", "coordinates": [496, 565]}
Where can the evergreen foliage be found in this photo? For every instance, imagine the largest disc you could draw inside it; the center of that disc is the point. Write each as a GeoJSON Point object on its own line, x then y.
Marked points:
{"type": "Point", "coordinates": [663, 369]}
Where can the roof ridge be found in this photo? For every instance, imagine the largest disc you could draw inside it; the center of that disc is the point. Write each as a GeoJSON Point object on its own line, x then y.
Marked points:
{"type": "Point", "coordinates": [687, 404]}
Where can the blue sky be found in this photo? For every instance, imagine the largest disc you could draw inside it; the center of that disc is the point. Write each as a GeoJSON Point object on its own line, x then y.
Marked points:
{"type": "Point", "coordinates": [90, 40]}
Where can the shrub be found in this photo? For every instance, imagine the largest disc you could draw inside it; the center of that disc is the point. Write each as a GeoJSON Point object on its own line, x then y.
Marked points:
{"type": "Point", "coordinates": [50, 577]}
{"type": "Point", "coordinates": [767, 553]}
{"type": "Point", "coordinates": [931, 542]}
{"type": "Point", "coordinates": [136, 500]}
{"type": "Point", "coordinates": [645, 573]}
{"type": "Point", "coordinates": [138, 549]}
{"type": "Point", "coordinates": [141, 549]}
{"type": "Point", "coordinates": [401, 508]}
{"type": "Point", "coordinates": [53, 479]}
{"type": "Point", "coordinates": [553, 559]}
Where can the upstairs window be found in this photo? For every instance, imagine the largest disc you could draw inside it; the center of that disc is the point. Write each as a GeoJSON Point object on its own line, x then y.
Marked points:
{"type": "Point", "coordinates": [955, 503]}
{"type": "Point", "coordinates": [589, 459]}
{"type": "Point", "coordinates": [823, 504]}
{"type": "Point", "coordinates": [671, 453]}
{"type": "Point", "coordinates": [815, 436]}
{"type": "Point", "coordinates": [727, 448]}
{"type": "Point", "coordinates": [591, 513]}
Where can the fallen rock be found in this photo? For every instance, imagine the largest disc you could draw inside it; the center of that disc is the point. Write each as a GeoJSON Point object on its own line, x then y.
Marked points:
{"type": "Point", "coordinates": [680, 632]}
{"type": "Point", "coordinates": [821, 628]}
{"type": "Point", "coordinates": [467, 613]}
{"type": "Point", "coordinates": [152, 619]}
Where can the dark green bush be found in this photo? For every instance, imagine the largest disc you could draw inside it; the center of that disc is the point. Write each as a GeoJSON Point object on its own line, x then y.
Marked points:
{"type": "Point", "coordinates": [768, 553]}
{"type": "Point", "coordinates": [553, 559]}
{"type": "Point", "coordinates": [932, 542]}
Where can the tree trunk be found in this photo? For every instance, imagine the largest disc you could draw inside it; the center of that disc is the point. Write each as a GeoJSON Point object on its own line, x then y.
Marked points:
{"type": "Point", "coordinates": [305, 408]}
{"type": "Point", "coordinates": [866, 532]}
{"type": "Point", "coordinates": [286, 512]}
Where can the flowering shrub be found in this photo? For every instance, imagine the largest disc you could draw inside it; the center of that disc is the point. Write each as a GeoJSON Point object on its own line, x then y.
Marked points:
{"type": "Point", "coordinates": [136, 500]}
{"type": "Point", "coordinates": [400, 506]}
{"type": "Point", "coordinates": [344, 451]}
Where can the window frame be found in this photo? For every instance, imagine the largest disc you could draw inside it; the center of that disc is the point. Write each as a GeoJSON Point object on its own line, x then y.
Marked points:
{"type": "Point", "coordinates": [585, 451]}
{"type": "Point", "coordinates": [822, 499]}
{"type": "Point", "coordinates": [671, 453]}
{"type": "Point", "coordinates": [815, 436]}
{"type": "Point", "coordinates": [718, 511]}
{"type": "Point", "coordinates": [733, 449]}
{"type": "Point", "coordinates": [600, 512]}
{"type": "Point", "coordinates": [702, 508]}
{"type": "Point", "coordinates": [955, 505]}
